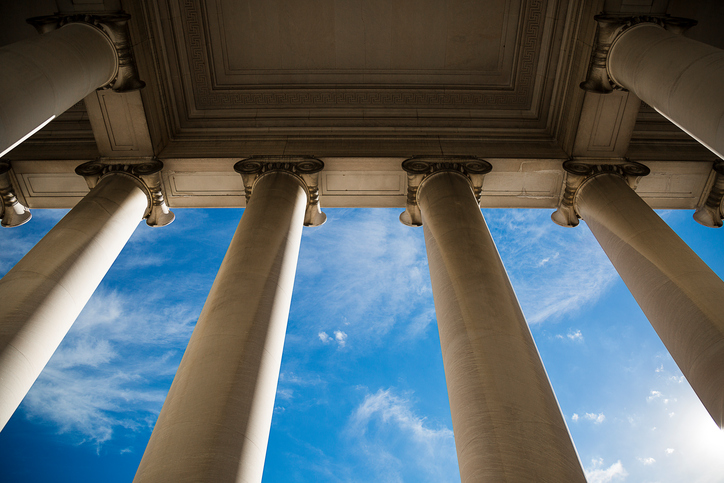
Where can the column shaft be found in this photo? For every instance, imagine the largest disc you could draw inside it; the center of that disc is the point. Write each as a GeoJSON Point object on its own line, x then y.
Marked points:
{"type": "Point", "coordinates": [44, 293]}
{"type": "Point", "coordinates": [42, 77]}
{"type": "Point", "coordinates": [214, 425]}
{"type": "Point", "coordinates": [681, 296]}
{"type": "Point", "coordinates": [506, 419]}
{"type": "Point", "coordinates": [681, 78]}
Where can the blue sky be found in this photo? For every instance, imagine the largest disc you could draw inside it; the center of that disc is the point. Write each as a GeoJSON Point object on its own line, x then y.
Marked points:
{"type": "Point", "coordinates": [362, 391]}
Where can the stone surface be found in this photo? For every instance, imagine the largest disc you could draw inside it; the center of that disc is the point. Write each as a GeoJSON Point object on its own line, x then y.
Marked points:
{"type": "Point", "coordinates": [506, 420]}
{"type": "Point", "coordinates": [214, 425]}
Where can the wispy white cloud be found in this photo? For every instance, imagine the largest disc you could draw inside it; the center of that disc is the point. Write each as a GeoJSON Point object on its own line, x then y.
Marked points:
{"type": "Point", "coordinates": [378, 268]}
{"type": "Point", "coordinates": [114, 366]}
{"type": "Point", "coordinates": [387, 427]}
{"type": "Point", "coordinates": [573, 336]}
{"type": "Point", "coordinates": [596, 473]}
{"type": "Point", "coordinates": [647, 461]}
{"type": "Point", "coordinates": [550, 279]}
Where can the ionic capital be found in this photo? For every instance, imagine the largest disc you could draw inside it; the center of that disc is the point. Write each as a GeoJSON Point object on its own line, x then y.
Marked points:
{"type": "Point", "coordinates": [115, 28]}
{"type": "Point", "coordinates": [12, 212]}
{"type": "Point", "coordinates": [581, 171]}
{"type": "Point", "coordinates": [305, 168]}
{"type": "Point", "coordinates": [610, 28]}
{"type": "Point", "coordinates": [710, 213]}
{"type": "Point", "coordinates": [145, 171]}
{"type": "Point", "coordinates": [419, 168]}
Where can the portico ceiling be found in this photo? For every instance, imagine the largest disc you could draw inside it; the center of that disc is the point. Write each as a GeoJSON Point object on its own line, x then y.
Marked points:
{"type": "Point", "coordinates": [364, 84]}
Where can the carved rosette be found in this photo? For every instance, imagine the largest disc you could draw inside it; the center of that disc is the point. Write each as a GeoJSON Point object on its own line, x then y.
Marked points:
{"type": "Point", "coordinates": [113, 26]}
{"type": "Point", "coordinates": [306, 168]}
{"type": "Point", "coordinates": [145, 171]}
{"type": "Point", "coordinates": [419, 168]}
{"type": "Point", "coordinates": [579, 171]}
{"type": "Point", "coordinates": [12, 212]}
{"type": "Point", "coordinates": [610, 28]}
{"type": "Point", "coordinates": [711, 213]}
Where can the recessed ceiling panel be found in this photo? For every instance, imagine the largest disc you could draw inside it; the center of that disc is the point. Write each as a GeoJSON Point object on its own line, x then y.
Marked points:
{"type": "Point", "coordinates": [362, 41]}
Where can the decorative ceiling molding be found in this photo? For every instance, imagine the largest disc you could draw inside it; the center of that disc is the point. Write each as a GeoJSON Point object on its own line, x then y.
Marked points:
{"type": "Point", "coordinates": [519, 97]}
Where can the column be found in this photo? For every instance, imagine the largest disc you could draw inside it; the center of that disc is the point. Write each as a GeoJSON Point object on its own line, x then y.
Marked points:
{"type": "Point", "coordinates": [44, 293]}
{"type": "Point", "coordinates": [681, 78]}
{"type": "Point", "coordinates": [214, 425]}
{"type": "Point", "coordinates": [680, 295]}
{"type": "Point", "coordinates": [506, 419]}
{"type": "Point", "coordinates": [42, 77]}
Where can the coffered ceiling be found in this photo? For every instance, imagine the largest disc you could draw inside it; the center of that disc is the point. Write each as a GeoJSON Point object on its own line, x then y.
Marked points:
{"type": "Point", "coordinates": [363, 84]}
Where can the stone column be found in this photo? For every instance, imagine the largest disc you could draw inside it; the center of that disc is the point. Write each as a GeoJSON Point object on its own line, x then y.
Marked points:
{"type": "Point", "coordinates": [42, 77]}
{"type": "Point", "coordinates": [44, 293]}
{"type": "Point", "coordinates": [214, 425]}
{"type": "Point", "coordinates": [680, 295]}
{"type": "Point", "coordinates": [679, 77]}
{"type": "Point", "coordinates": [506, 419]}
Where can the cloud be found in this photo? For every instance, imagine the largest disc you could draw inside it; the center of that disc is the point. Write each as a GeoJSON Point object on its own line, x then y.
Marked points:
{"type": "Point", "coordinates": [597, 474]}
{"type": "Point", "coordinates": [576, 336]}
{"type": "Point", "coordinates": [378, 268]}
{"type": "Point", "coordinates": [596, 418]}
{"type": "Point", "coordinates": [388, 428]}
{"type": "Point", "coordinates": [340, 337]}
{"type": "Point", "coordinates": [114, 367]}
{"type": "Point", "coordinates": [551, 279]}
{"type": "Point", "coordinates": [647, 461]}
{"type": "Point", "coordinates": [324, 337]}
{"type": "Point", "coordinates": [575, 418]}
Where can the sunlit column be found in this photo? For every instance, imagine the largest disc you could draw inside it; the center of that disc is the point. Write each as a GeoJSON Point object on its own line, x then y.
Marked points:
{"type": "Point", "coordinates": [42, 77]}
{"type": "Point", "coordinates": [44, 293]}
{"type": "Point", "coordinates": [506, 419]}
{"type": "Point", "coordinates": [681, 78]}
{"type": "Point", "coordinates": [214, 425]}
{"type": "Point", "coordinates": [680, 295]}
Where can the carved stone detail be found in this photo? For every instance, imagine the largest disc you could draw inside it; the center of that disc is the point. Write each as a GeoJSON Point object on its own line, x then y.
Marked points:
{"type": "Point", "coordinates": [419, 168]}
{"type": "Point", "coordinates": [12, 212]}
{"type": "Point", "coordinates": [610, 27]}
{"type": "Point", "coordinates": [306, 168]}
{"type": "Point", "coordinates": [113, 26]}
{"type": "Point", "coordinates": [711, 213]}
{"type": "Point", "coordinates": [579, 171]}
{"type": "Point", "coordinates": [146, 171]}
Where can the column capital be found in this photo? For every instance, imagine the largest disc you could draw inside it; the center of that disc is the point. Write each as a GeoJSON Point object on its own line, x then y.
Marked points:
{"type": "Point", "coordinates": [710, 212]}
{"type": "Point", "coordinates": [145, 171]}
{"type": "Point", "coordinates": [610, 28]}
{"type": "Point", "coordinates": [12, 212]}
{"type": "Point", "coordinates": [580, 171]}
{"type": "Point", "coordinates": [115, 28]}
{"type": "Point", "coordinates": [304, 168]}
{"type": "Point", "coordinates": [418, 168]}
